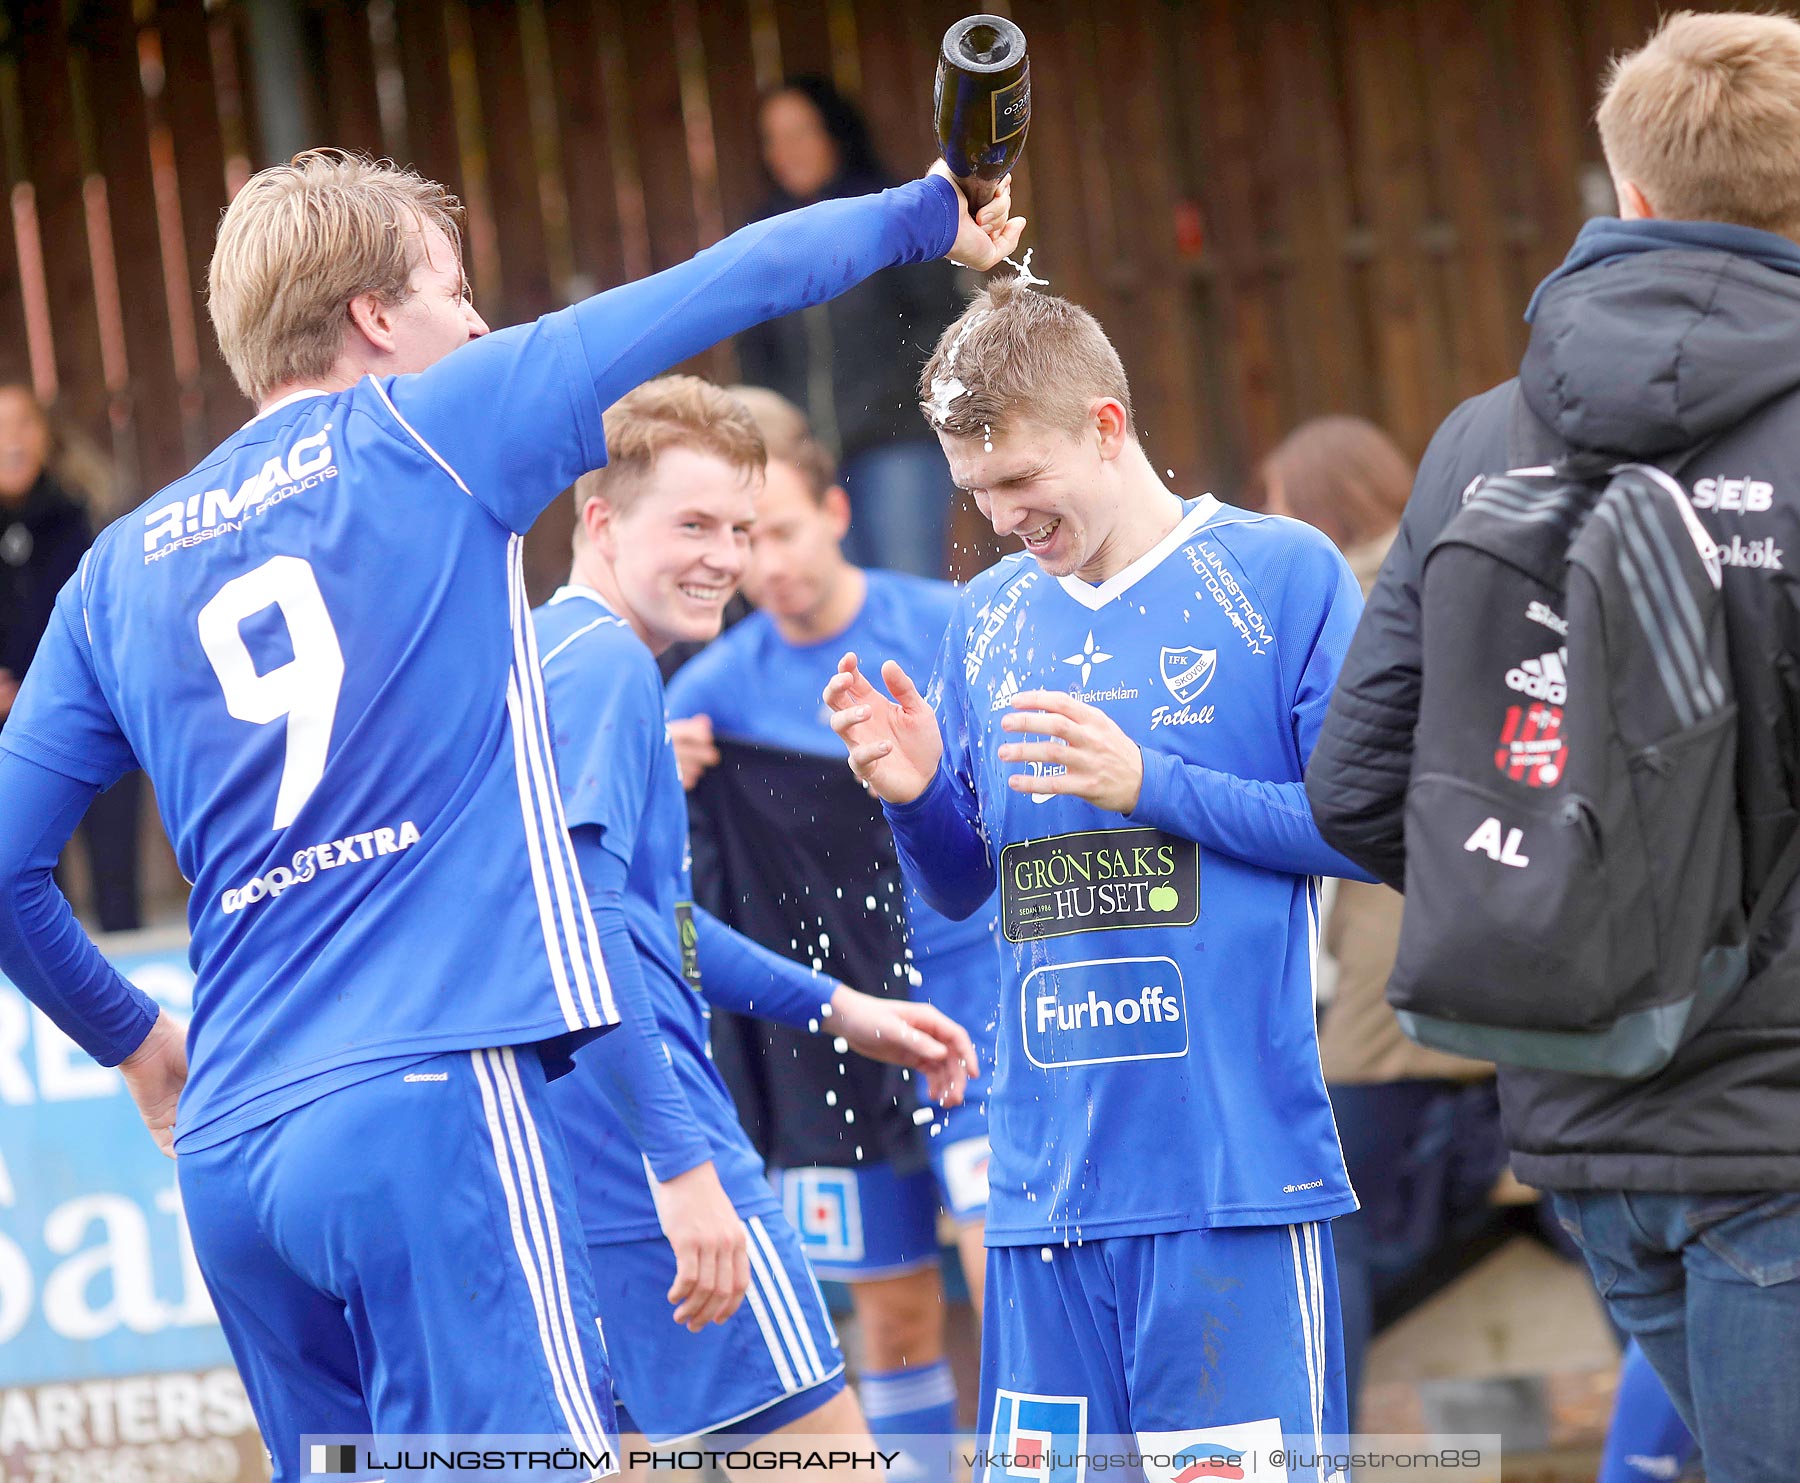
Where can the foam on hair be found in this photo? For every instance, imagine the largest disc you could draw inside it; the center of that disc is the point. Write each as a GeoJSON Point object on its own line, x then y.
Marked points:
{"type": "Point", "coordinates": [1017, 354]}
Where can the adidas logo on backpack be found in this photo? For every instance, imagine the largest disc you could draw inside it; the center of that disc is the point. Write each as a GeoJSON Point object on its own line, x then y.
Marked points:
{"type": "Point", "coordinates": [1573, 851]}
{"type": "Point", "coordinates": [1543, 678]}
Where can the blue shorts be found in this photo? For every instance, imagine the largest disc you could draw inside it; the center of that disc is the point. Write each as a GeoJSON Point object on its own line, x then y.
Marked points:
{"type": "Point", "coordinates": [403, 1256]}
{"type": "Point", "coordinates": [775, 1359]}
{"type": "Point", "coordinates": [856, 1225]}
{"type": "Point", "coordinates": [1195, 1342]}
{"type": "Point", "coordinates": [958, 1141]}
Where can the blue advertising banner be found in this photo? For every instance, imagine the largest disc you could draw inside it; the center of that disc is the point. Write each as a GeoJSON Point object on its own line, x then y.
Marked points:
{"type": "Point", "coordinates": [112, 1362]}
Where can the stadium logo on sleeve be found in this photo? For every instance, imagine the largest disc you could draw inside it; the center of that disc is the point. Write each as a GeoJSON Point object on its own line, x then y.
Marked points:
{"type": "Point", "coordinates": [992, 619]}
{"type": "Point", "coordinates": [821, 1205]}
{"type": "Point", "coordinates": [1042, 1438]}
{"type": "Point", "coordinates": [1104, 1010]}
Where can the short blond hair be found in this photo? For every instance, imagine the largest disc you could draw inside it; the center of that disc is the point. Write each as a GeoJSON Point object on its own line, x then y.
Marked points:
{"type": "Point", "coordinates": [299, 242]}
{"type": "Point", "coordinates": [1019, 354]}
{"type": "Point", "coordinates": [1704, 118]}
{"type": "Point", "coordinates": [649, 420]}
{"type": "Point", "coordinates": [789, 436]}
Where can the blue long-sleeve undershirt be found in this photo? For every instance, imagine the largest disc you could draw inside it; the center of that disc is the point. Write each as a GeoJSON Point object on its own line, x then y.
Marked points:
{"type": "Point", "coordinates": [740, 974]}
{"type": "Point", "coordinates": [43, 949]}
{"type": "Point", "coordinates": [1263, 824]}
{"type": "Point", "coordinates": [942, 847]}
{"type": "Point", "coordinates": [634, 1061]}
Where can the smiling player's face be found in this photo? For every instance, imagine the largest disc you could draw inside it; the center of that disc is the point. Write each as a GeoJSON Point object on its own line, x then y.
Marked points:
{"type": "Point", "coordinates": [1042, 485]}
{"type": "Point", "coordinates": [679, 551]}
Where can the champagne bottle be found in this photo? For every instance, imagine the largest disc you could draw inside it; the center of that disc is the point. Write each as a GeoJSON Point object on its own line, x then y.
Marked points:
{"type": "Point", "coordinates": [983, 102]}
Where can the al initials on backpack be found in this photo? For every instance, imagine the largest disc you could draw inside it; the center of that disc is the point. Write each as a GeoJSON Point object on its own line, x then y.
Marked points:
{"type": "Point", "coordinates": [1573, 850]}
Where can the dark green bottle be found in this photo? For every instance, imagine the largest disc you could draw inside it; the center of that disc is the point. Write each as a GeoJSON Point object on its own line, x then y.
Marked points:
{"type": "Point", "coordinates": [983, 102]}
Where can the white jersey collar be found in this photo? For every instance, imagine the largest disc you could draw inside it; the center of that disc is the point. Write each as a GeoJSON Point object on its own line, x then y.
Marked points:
{"type": "Point", "coordinates": [570, 591]}
{"type": "Point", "coordinates": [1094, 598]}
{"type": "Point", "coordinates": [286, 401]}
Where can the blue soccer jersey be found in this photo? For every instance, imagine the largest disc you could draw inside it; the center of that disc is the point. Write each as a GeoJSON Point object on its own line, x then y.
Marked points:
{"type": "Point", "coordinates": [620, 778]}
{"type": "Point", "coordinates": [1158, 1068]}
{"type": "Point", "coordinates": [318, 646]}
{"type": "Point", "coordinates": [757, 687]}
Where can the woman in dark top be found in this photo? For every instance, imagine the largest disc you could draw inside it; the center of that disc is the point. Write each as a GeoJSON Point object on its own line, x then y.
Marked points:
{"type": "Point", "coordinates": [44, 531]}
{"type": "Point", "coordinates": [854, 363]}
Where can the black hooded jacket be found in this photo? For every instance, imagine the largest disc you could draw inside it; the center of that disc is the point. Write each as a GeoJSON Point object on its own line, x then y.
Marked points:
{"type": "Point", "coordinates": [42, 539]}
{"type": "Point", "coordinates": [853, 365]}
{"type": "Point", "coordinates": [1645, 353]}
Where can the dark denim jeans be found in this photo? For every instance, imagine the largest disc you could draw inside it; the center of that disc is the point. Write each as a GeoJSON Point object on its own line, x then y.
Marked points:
{"type": "Point", "coordinates": [1422, 1156]}
{"type": "Point", "coordinates": [1709, 1285]}
{"type": "Point", "coordinates": [900, 497]}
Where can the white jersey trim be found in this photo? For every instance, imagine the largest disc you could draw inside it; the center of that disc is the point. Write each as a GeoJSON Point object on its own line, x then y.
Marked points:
{"type": "Point", "coordinates": [1094, 598]}
{"type": "Point", "coordinates": [769, 1274]}
{"type": "Point", "coordinates": [571, 942]}
{"type": "Point", "coordinates": [541, 1268]}
{"type": "Point", "coordinates": [572, 913]}
{"type": "Point", "coordinates": [288, 401]}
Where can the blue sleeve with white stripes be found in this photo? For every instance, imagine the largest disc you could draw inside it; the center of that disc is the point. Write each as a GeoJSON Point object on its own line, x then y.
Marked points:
{"type": "Point", "coordinates": [516, 415]}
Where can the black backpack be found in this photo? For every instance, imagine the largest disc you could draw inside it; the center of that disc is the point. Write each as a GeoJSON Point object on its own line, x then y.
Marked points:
{"type": "Point", "coordinates": [1574, 858]}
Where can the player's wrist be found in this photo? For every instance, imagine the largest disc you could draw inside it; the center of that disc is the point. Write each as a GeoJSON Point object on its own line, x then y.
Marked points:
{"type": "Point", "coordinates": [1134, 780]}
{"type": "Point", "coordinates": [918, 800]}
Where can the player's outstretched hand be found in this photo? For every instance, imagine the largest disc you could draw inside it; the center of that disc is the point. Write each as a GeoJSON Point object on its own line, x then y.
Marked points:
{"type": "Point", "coordinates": [694, 748]}
{"type": "Point", "coordinates": [991, 235]}
{"type": "Point", "coordinates": [894, 744]}
{"type": "Point", "coordinates": [712, 1249]}
{"type": "Point", "coordinates": [1100, 762]}
{"type": "Point", "coordinates": [904, 1033]}
{"type": "Point", "coordinates": [154, 1074]}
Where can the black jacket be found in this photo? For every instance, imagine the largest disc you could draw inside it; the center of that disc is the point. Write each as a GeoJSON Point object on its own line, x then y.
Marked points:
{"type": "Point", "coordinates": [771, 829]}
{"type": "Point", "coordinates": [1646, 355]}
{"type": "Point", "coordinates": [853, 365]}
{"type": "Point", "coordinates": [41, 542]}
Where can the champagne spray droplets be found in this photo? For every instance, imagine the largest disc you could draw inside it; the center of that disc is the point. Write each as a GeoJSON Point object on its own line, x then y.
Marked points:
{"type": "Point", "coordinates": [1027, 279]}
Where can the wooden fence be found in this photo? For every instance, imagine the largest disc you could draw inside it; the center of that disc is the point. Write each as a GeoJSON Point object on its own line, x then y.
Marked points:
{"type": "Point", "coordinates": [1278, 207]}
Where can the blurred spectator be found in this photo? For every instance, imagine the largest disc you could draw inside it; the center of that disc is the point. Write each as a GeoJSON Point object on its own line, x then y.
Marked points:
{"type": "Point", "coordinates": [1420, 1130]}
{"type": "Point", "coordinates": [853, 364]}
{"type": "Point", "coordinates": [43, 532]}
